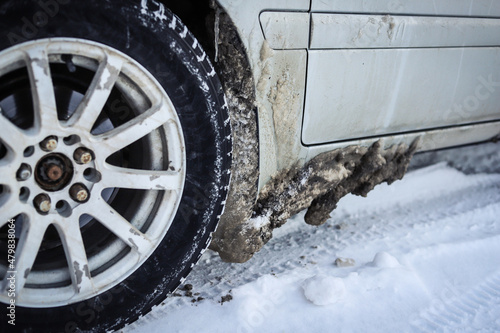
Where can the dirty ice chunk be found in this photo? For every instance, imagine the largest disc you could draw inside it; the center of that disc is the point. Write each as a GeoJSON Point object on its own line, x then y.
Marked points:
{"type": "Point", "coordinates": [324, 290]}
{"type": "Point", "coordinates": [385, 260]}
{"type": "Point", "coordinates": [345, 262]}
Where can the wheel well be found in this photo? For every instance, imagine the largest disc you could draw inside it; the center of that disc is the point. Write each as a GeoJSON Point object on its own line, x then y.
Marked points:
{"type": "Point", "coordinates": [198, 16]}
{"type": "Point", "coordinates": [235, 72]}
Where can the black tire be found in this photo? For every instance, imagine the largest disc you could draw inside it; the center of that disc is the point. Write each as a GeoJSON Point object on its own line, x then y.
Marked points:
{"type": "Point", "coordinates": [183, 73]}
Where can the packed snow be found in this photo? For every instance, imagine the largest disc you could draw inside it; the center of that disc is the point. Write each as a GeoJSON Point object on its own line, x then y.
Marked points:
{"type": "Point", "coordinates": [324, 290]}
{"type": "Point", "coordinates": [421, 255]}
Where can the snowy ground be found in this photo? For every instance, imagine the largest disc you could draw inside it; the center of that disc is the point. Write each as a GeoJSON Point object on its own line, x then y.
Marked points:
{"type": "Point", "coordinates": [425, 254]}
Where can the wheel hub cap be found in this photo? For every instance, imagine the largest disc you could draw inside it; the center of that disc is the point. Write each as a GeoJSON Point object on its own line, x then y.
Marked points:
{"type": "Point", "coordinates": [54, 172]}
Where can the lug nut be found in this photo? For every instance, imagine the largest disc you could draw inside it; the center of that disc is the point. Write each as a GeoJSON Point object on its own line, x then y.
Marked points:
{"type": "Point", "coordinates": [42, 203]}
{"type": "Point", "coordinates": [79, 193]}
{"type": "Point", "coordinates": [24, 172]}
{"type": "Point", "coordinates": [82, 156]}
{"type": "Point", "coordinates": [49, 144]}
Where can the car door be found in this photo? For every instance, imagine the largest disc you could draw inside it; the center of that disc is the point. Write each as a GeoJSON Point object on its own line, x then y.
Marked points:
{"type": "Point", "coordinates": [378, 68]}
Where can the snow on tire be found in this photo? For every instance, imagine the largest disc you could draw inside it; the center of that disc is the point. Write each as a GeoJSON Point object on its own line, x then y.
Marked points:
{"type": "Point", "coordinates": [114, 161]}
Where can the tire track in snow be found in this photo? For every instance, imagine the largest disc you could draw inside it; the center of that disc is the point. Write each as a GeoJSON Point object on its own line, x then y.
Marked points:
{"type": "Point", "coordinates": [458, 312]}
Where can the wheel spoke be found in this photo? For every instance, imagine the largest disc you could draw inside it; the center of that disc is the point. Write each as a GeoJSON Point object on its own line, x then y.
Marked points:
{"type": "Point", "coordinates": [134, 130]}
{"type": "Point", "coordinates": [7, 174]}
{"type": "Point", "coordinates": [26, 251]}
{"type": "Point", "coordinates": [97, 95]}
{"type": "Point", "coordinates": [11, 135]}
{"type": "Point", "coordinates": [44, 100]}
{"type": "Point", "coordinates": [9, 208]}
{"type": "Point", "coordinates": [71, 237]}
{"type": "Point", "coordinates": [122, 228]}
{"type": "Point", "coordinates": [141, 179]}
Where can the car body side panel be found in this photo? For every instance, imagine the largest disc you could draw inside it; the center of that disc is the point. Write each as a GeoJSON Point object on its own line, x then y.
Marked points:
{"type": "Point", "coordinates": [357, 92]}
{"type": "Point", "coordinates": [295, 176]}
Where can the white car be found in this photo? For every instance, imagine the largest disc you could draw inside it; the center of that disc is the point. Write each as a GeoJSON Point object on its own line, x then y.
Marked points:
{"type": "Point", "coordinates": [130, 129]}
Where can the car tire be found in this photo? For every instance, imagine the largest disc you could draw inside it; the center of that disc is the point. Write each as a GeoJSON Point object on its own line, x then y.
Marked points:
{"type": "Point", "coordinates": [107, 202]}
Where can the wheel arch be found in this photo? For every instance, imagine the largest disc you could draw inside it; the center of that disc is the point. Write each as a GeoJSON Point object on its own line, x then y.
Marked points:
{"type": "Point", "coordinates": [219, 35]}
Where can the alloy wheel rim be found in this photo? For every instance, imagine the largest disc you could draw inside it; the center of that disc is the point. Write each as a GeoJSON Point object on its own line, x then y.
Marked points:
{"type": "Point", "coordinates": [72, 173]}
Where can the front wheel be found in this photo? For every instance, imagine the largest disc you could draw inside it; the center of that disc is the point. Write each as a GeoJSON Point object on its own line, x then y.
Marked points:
{"type": "Point", "coordinates": [114, 162]}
